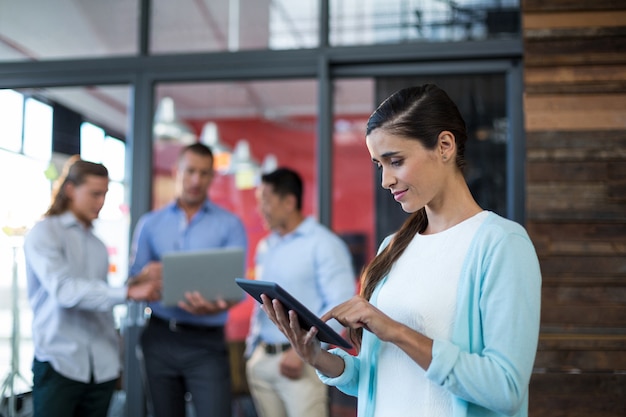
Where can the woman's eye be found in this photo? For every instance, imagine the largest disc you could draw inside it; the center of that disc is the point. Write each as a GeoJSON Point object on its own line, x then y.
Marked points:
{"type": "Point", "coordinates": [396, 162]}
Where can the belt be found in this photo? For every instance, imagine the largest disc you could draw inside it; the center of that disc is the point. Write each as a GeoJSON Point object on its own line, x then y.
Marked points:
{"type": "Point", "coordinates": [274, 349]}
{"type": "Point", "coordinates": [176, 326]}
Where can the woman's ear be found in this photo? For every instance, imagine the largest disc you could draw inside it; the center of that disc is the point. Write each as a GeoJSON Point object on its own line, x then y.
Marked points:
{"type": "Point", "coordinates": [68, 189]}
{"type": "Point", "coordinates": [447, 145]}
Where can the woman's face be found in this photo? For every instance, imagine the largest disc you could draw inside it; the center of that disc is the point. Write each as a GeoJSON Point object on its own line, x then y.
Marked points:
{"type": "Point", "coordinates": [87, 199]}
{"type": "Point", "coordinates": [412, 173]}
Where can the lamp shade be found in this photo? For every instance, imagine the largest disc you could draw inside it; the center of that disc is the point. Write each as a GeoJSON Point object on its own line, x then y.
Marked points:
{"type": "Point", "coordinates": [168, 127]}
{"type": "Point", "coordinates": [222, 154]}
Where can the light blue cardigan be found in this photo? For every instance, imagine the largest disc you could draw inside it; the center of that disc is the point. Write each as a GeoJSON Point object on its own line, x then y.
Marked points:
{"type": "Point", "coordinates": [489, 360]}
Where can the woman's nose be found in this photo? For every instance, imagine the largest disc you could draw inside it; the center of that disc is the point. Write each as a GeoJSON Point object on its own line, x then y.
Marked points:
{"type": "Point", "coordinates": [387, 180]}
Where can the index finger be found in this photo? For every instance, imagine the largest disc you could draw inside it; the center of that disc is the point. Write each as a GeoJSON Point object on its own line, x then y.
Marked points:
{"type": "Point", "coordinates": [327, 316]}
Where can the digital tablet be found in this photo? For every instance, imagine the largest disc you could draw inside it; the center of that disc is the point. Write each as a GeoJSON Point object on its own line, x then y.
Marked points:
{"type": "Point", "coordinates": [211, 272]}
{"type": "Point", "coordinates": [307, 319]}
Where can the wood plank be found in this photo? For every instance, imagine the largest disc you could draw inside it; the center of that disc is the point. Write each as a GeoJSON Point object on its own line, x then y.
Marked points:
{"type": "Point", "coordinates": [592, 231]}
{"type": "Point", "coordinates": [563, 138]}
{"type": "Point", "coordinates": [614, 212]}
{"type": "Point", "coordinates": [580, 265]}
{"type": "Point", "coordinates": [560, 5]}
{"type": "Point", "coordinates": [581, 360]}
{"type": "Point", "coordinates": [578, 88]}
{"type": "Point", "coordinates": [555, 171]}
{"type": "Point", "coordinates": [574, 74]}
{"type": "Point", "coordinates": [590, 295]}
{"type": "Point", "coordinates": [572, 384]}
{"type": "Point", "coordinates": [575, 112]}
{"type": "Point", "coordinates": [582, 247]}
{"type": "Point", "coordinates": [565, 195]}
{"type": "Point", "coordinates": [546, 59]}
{"type": "Point", "coordinates": [575, 154]}
{"type": "Point", "coordinates": [611, 236]}
{"type": "Point", "coordinates": [617, 191]}
{"type": "Point", "coordinates": [576, 102]}
{"type": "Point", "coordinates": [560, 47]}
{"type": "Point", "coordinates": [582, 280]}
{"type": "Point", "coordinates": [588, 79]}
{"type": "Point", "coordinates": [573, 19]}
{"type": "Point", "coordinates": [582, 341]}
{"type": "Point", "coordinates": [582, 315]}
{"type": "Point", "coordinates": [577, 37]}
{"type": "Point", "coordinates": [593, 119]}
{"type": "Point", "coordinates": [576, 394]}
{"type": "Point", "coordinates": [617, 169]}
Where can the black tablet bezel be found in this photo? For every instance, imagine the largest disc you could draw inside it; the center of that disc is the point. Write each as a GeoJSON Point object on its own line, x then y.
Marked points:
{"type": "Point", "coordinates": [325, 333]}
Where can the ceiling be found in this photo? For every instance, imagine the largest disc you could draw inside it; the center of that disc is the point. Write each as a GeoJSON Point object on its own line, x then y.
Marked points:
{"type": "Point", "coordinates": [72, 29]}
{"type": "Point", "coordinates": [34, 30]}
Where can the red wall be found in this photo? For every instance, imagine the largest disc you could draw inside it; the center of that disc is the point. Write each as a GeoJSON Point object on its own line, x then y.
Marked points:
{"type": "Point", "coordinates": [293, 143]}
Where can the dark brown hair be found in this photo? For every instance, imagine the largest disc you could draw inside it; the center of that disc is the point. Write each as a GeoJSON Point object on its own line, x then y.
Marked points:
{"type": "Point", "coordinates": [196, 148]}
{"type": "Point", "coordinates": [420, 113]}
{"type": "Point", "coordinates": [75, 171]}
{"type": "Point", "coordinates": [284, 182]}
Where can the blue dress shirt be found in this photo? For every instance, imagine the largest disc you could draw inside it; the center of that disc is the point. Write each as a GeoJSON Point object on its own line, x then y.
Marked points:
{"type": "Point", "coordinates": [73, 326]}
{"type": "Point", "coordinates": [167, 230]}
{"type": "Point", "coordinates": [311, 263]}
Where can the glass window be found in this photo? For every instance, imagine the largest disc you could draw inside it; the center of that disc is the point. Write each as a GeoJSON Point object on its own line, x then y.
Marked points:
{"type": "Point", "coordinates": [11, 111]}
{"type": "Point", "coordinates": [17, 215]}
{"type": "Point", "coordinates": [43, 29]}
{"type": "Point", "coordinates": [233, 25]}
{"type": "Point", "coordinates": [353, 178]}
{"type": "Point", "coordinates": [91, 142]}
{"type": "Point", "coordinates": [37, 130]}
{"type": "Point", "coordinates": [114, 158]}
{"type": "Point", "coordinates": [364, 22]}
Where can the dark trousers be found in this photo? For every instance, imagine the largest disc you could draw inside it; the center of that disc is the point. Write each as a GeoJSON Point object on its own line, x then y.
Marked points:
{"type": "Point", "coordinates": [186, 360]}
{"type": "Point", "coordinates": [57, 396]}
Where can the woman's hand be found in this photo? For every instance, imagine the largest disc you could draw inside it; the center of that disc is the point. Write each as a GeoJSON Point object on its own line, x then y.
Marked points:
{"type": "Point", "coordinates": [359, 313]}
{"type": "Point", "coordinates": [306, 345]}
{"type": "Point", "coordinates": [146, 290]}
{"type": "Point", "coordinates": [303, 342]}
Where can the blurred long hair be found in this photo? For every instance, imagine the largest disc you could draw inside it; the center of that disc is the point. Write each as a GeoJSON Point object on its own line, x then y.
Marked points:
{"type": "Point", "coordinates": [75, 172]}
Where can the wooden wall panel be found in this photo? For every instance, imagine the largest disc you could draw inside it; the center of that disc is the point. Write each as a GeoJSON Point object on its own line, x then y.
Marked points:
{"type": "Point", "coordinates": [575, 119]}
{"type": "Point", "coordinates": [529, 6]}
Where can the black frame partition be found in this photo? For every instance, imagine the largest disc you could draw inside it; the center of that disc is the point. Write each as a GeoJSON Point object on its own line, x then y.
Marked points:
{"type": "Point", "coordinates": [325, 64]}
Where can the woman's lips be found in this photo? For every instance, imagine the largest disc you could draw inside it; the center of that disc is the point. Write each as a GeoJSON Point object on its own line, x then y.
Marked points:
{"type": "Point", "coordinates": [397, 195]}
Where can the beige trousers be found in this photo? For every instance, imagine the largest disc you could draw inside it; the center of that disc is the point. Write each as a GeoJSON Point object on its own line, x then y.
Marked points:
{"type": "Point", "coordinates": [277, 396]}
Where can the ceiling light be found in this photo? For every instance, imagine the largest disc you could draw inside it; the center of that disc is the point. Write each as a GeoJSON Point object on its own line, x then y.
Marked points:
{"type": "Point", "coordinates": [168, 128]}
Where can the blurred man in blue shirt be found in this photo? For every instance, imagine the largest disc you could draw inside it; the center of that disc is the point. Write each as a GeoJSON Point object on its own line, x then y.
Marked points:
{"type": "Point", "coordinates": [184, 347]}
{"type": "Point", "coordinates": [315, 266]}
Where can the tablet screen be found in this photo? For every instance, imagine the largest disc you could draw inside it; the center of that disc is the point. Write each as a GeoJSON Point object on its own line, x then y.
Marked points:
{"type": "Point", "coordinates": [305, 316]}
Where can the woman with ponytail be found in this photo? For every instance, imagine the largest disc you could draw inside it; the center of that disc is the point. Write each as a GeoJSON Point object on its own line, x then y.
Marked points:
{"type": "Point", "coordinates": [447, 321]}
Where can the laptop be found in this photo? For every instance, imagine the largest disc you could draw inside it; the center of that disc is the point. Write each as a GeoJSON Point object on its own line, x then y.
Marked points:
{"type": "Point", "coordinates": [211, 272]}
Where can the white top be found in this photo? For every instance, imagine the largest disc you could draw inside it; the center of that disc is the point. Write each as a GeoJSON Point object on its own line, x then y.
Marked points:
{"type": "Point", "coordinates": [421, 292]}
